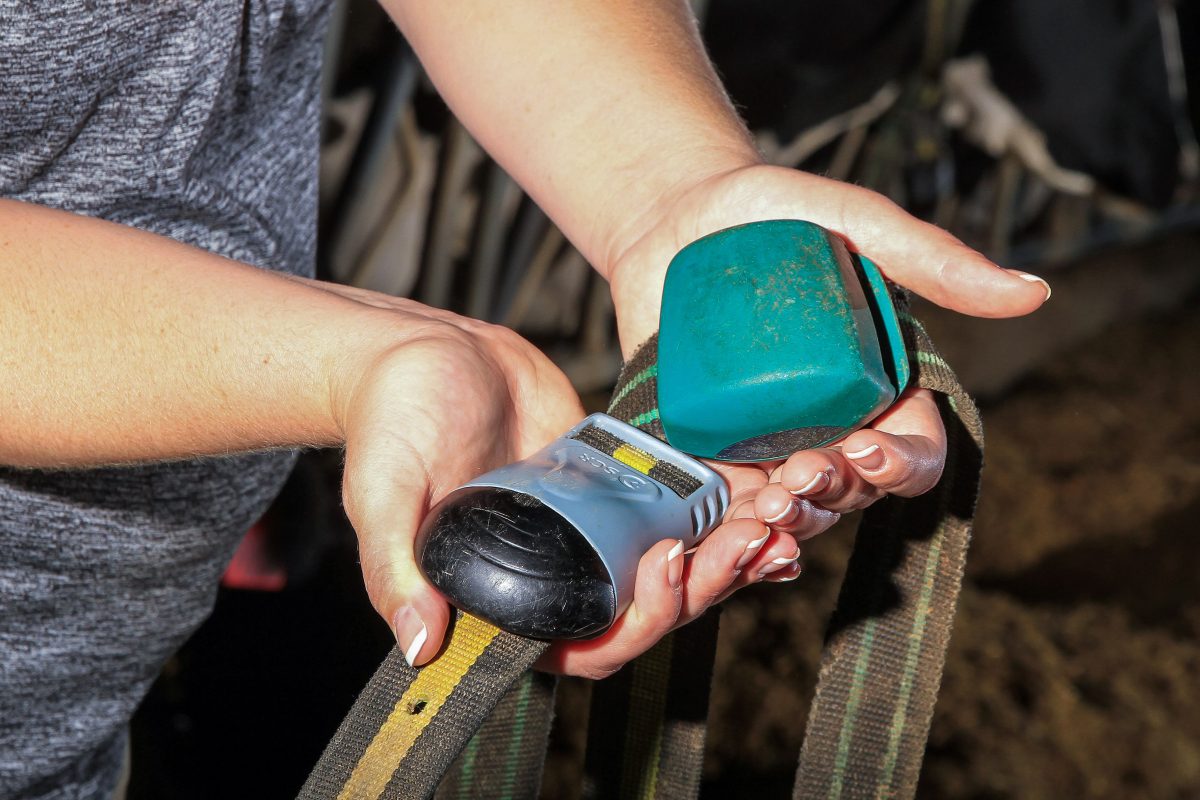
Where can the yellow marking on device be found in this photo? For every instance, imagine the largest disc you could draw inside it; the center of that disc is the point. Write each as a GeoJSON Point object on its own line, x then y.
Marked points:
{"type": "Point", "coordinates": [630, 456]}
{"type": "Point", "coordinates": [416, 708]}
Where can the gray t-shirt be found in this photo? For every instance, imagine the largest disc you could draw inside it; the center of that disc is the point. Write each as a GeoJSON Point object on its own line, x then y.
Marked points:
{"type": "Point", "coordinates": [197, 121]}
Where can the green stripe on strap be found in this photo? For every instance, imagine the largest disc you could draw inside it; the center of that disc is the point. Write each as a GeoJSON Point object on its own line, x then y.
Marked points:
{"type": "Point", "coordinates": [634, 382]}
{"type": "Point", "coordinates": [644, 725]}
{"type": "Point", "coordinates": [644, 418]}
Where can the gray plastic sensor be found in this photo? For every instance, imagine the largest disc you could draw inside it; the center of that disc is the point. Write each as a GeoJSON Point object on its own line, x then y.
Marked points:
{"type": "Point", "coordinates": [621, 512]}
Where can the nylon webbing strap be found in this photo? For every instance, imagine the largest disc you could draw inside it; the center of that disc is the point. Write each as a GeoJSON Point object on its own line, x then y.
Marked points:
{"type": "Point", "coordinates": [648, 722]}
{"type": "Point", "coordinates": [677, 480]}
{"type": "Point", "coordinates": [635, 398]}
{"type": "Point", "coordinates": [870, 718]}
{"type": "Point", "coordinates": [505, 758]}
{"type": "Point", "coordinates": [408, 725]}
{"type": "Point", "coordinates": [886, 645]}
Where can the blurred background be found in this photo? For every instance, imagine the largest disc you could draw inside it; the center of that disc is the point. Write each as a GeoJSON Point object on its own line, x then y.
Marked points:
{"type": "Point", "coordinates": [1056, 137]}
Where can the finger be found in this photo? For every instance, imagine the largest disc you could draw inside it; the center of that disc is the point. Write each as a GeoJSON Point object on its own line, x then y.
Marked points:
{"type": "Point", "coordinates": [743, 480]}
{"type": "Point", "coordinates": [918, 255]}
{"type": "Point", "coordinates": [939, 267]}
{"type": "Point", "coordinates": [904, 451]}
{"type": "Point", "coordinates": [787, 513]}
{"type": "Point", "coordinates": [657, 598]}
{"type": "Point", "coordinates": [779, 566]}
{"type": "Point", "coordinates": [935, 264]}
{"type": "Point", "coordinates": [718, 561]}
{"type": "Point", "coordinates": [736, 554]}
{"type": "Point", "coordinates": [788, 573]}
{"type": "Point", "coordinates": [386, 497]}
{"type": "Point", "coordinates": [824, 477]}
{"type": "Point", "coordinates": [741, 510]}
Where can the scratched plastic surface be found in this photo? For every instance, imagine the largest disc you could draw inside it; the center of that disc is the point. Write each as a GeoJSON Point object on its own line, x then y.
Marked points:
{"type": "Point", "coordinates": [549, 546]}
{"type": "Point", "coordinates": [511, 560]}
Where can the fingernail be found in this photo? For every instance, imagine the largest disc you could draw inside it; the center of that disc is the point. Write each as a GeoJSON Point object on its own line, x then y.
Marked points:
{"type": "Point", "coordinates": [778, 564]}
{"type": "Point", "coordinates": [410, 632]}
{"type": "Point", "coordinates": [792, 575]}
{"type": "Point", "coordinates": [867, 458]}
{"type": "Point", "coordinates": [752, 550]}
{"type": "Point", "coordinates": [1025, 276]}
{"type": "Point", "coordinates": [787, 515]}
{"type": "Point", "coordinates": [675, 565]}
{"type": "Point", "coordinates": [819, 483]}
{"type": "Point", "coordinates": [783, 562]}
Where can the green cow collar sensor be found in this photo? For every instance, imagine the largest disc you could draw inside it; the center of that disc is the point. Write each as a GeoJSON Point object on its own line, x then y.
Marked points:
{"type": "Point", "coordinates": [774, 338]}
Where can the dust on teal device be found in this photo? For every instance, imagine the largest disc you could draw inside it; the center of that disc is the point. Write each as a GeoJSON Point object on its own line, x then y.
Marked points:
{"type": "Point", "coordinates": [774, 338]}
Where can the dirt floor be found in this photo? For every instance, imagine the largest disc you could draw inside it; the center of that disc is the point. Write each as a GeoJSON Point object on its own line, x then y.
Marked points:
{"type": "Point", "coordinates": [1074, 670]}
{"type": "Point", "coordinates": [1075, 666]}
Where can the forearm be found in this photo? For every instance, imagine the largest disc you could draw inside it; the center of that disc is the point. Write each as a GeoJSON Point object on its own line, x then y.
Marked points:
{"type": "Point", "coordinates": [118, 345]}
{"type": "Point", "coordinates": [599, 110]}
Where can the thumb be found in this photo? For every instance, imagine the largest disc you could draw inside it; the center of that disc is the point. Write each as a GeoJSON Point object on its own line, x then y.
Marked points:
{"type": "Point", "coordinates": [386, 492]}
{"type": "Point", "coordinates": [918, 255]}
{"type": "Point", "coordinates": [939, 267]}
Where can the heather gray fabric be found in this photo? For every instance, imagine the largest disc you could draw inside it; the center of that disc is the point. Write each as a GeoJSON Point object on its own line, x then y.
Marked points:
{"type": "Point", "coordinates": [197, 121]}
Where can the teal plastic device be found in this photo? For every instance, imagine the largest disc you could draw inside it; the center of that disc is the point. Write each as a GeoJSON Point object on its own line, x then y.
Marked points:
{"type": "Point", "coordinates": [774, 338]}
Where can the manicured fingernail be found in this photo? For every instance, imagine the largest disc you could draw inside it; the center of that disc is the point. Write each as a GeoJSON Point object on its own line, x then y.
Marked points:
{"type": "Point", "coordinates": [819, 483]}
{"type": "Point", "coordinates": [752, 550]}
{"type": "Point", "coordinates": [1025, 276]}
{"type": "Point", "coordinates": [787, 515]}
{"type": "Point", "coordinates": [867, 458]}
{"type": "Point", "coordinates": [778, 564]}
{"type": "Point", "coordinates": [783, 562]}
{"type": "Point", "coordinates": [675, 565]}
{"type": "Point", "coordinates": [411, 633]}
{"type": "Point", "coordinates": [793, 573]}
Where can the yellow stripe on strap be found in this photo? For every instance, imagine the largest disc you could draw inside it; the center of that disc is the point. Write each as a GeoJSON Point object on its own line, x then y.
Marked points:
{"type": "Point", "coordinates": [630, 456]}
{"type": "Point", "coordinates": [417, 708]}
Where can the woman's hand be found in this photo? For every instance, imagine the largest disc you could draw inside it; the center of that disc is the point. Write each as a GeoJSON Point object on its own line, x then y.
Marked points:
{"type": "Point", "coordinates": [454, 398]}
{"type": "Point", "coordinates": [902, 451]}
{"type": "Point", "coordinates": [451, 399]}
{"type": "Point", "coordinates": [778, 504]}
{"type": "Point", "coordinates": [462, 397]}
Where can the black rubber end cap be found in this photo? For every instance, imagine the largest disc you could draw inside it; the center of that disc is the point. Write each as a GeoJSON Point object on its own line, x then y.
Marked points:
{"type": "Point", "coordinates": [507, 558]}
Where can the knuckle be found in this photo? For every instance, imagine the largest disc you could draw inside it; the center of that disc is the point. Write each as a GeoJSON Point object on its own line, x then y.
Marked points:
{"type": "Point", "coordinates": [868, 497]}
{"type": "Point", "coordinates": [598, 672]}
{"type": "Point", "coordinates": [926, 482]}
{"type": "Point", "coordinates": [818, 525]}
{"type": "Point", "coordinates": [698, 601]}
{"type": "Point", "coordinates": [921, 475]}
{"type": "Point", "coordinates": [380, 578]}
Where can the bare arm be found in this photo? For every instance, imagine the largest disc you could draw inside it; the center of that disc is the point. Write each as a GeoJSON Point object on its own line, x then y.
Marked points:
{"type": "Point", "coordinates": [610, 115]}
{"type": "Point", "coordinates": [600, 110]}
{"type": "Point", "coordinates": [119, 345]}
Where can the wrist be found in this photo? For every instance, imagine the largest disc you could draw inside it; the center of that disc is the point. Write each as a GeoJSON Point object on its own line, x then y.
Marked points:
{"type": "Point", "coordinates": [662, 192]}
{"type": "Point", "coordinates": [390, 336]}
{"type": "Point", "coordinates": [638, 269]}
{"type": "Point", "coordinates": [376, 335]}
